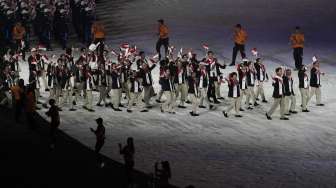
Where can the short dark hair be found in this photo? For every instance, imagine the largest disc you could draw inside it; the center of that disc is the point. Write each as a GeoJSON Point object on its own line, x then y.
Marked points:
{"type": "Point", "coordinates": [297, 27]}
{"type": "Point", "coordinates": [239, 26]}
{"type": "Point", "coordinates": [161, 21]}
{"type": "Point", "coordinates": [52, 102]}
{"type": "Point", "coordinates": [210, 52]}
{"type": "Point", "coordinates": [278, 69]}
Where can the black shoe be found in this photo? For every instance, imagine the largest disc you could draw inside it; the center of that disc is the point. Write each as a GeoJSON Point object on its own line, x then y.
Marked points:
{"type": "Point", "coordinates": [256, 104]}
{"type": "Point", "coordinates": [257, 99]}
{"type": "Point", "coordinates": [145, 110]}
{"type": "Point", "coordinates": [284, 118]}
{"type": "Point", "coordinates": [122, 106]}
{"type": "Point", "coordinates": [91, 110]}
{"type": "Point", "coordinates": [249, 108]}
{"type": "Point", "coordinates": [180, 106]}
{"type": "Point", "coordinates": [242, 110]}
{"type": "Point", "coordinates": [107, 105]}
{"type": "Point", "coordinates": [264, 101]}
{"type": "Point", "coordinates": [158, 101]}
{"type": "Point", "coordinates": [287, 114]}
{"type": "Point", "coordinates": [320, 104]}
{"type": "Point", "coordinates": [225, 114]}
{"type": "Point", "coordinates": [74, 103]}
{"type": "Point", "coordinates": [238, 116]}
{"type": "Point", "coordinates": [293, 112]}
{"type": "Point", "coordinates": [172, 112]}
{"type": "Point", "coordinates": [217, 102]}
{"type": "Point", "coordinates": [201, 106]}
{"type": "Point", "coordinates": [129, 111]}
{"type": "Point", "coordinates": [211, 107]}
{"type": "Point", "coordinates": [193, 114]}
{"type": "Point", "coordinates": [268, 117]}
{"type": "Point", "coordinates": [188, 102]}
{"type": "Point", "coordinates": [85, 108]}
{"type": "Point", "coordinates": [232, 64]}
{"type": "Point", "coordinates": [98, 104]}
{"type": "Point", "coordinates": [149, 107]}
{"type": "Point", "coordinates": [221, 98]}
{"type": "Point", "coordinates": [250, 104]}
{"type": "Point", "coordinates": [306, 110]}
{"type": "Point", "coordinates": [72, 109]}
{"type": "Point", "coordinates": [117, 109]}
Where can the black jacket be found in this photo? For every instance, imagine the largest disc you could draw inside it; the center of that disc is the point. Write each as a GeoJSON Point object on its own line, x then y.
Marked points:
{"type": "Point", "coordinates": [315, 80]}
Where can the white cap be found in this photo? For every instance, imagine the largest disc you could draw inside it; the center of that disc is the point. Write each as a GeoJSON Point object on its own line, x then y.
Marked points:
{"type": "Point", "coordinates": [88, 9]}
{"type": "Point", "coordinates": [245, 60]}
{"type": "Point", "coordinates": [24, 12]}
{"type": "Point", "coordinates": [9, 12]}
{"type": "Point", "coordinates": [33, 50]}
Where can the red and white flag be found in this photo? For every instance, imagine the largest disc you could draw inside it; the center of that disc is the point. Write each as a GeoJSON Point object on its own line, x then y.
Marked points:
{"type": "Point", "coordinates": [206, 47]}
{"type": "Point", "coordinates": [254, 52]}
{"type": "Point", "coordinates": [314, 59]}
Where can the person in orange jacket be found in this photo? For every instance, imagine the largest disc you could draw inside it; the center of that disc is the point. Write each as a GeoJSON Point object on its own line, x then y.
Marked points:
{"type": "Point", "coordinates": [163, 38]}
{"type": "Point", "coordinates": [98, 31]}
{"type": "Point", "coordinates": [18, 35]}
{"type": "Point", "coordinates": [240, 38]}
{"type": "Point", "coordinates": [297, 41]}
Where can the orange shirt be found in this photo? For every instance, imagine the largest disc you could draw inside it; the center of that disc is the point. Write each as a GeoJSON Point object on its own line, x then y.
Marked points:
{"type": "Point", "coordinates": [98, 31]}
{"type": "Point", "coordinates": [163, 31]}
{"type": "Point", "coordinates": [297, 40]}
{"type": "Point", "coordinates": [240, 37]}
{"type": "Point", "coordinates": [16, 92]}
{"type": "Point", "coordinates": [18, 32]}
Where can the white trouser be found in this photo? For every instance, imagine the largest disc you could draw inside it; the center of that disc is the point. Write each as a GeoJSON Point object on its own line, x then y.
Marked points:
{"type": "Point", "coordinates": [290, 103]}
{"type": "Point", "coordinates": [250, 95]}
{"type": "Point", "coordinates": [234, 104]}
{"type": "Point", "coordinates": [88, 99]}
{"type": "Point", "coordinates": [304, 97]}
{"type": "Point", "coordinates": [181, 89]}
{"type": "Point", "coordinates": [317, 92]}
{"type": "Point", "coordinates": [135, 98]}
{"type": "Point", "coordinates": [115, 95]}
{"type": "Point", "coordinates": [260, 90]}
{"type": "Point", "coordinates": [276, 103]}
{"type": "Point", "coordinates": [195, 102]}
{"type": "Point", "coordinates": [169, 104]}
{"type": "Point", "coordinates": [102, 94]}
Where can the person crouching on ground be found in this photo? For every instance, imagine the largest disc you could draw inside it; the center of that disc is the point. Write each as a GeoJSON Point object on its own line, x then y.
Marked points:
{"type": "Point", "coordinates": [278, 95]}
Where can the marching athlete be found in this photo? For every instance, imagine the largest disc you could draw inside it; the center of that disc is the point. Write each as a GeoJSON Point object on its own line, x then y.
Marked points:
{"type": "Point", "coordinates": [278, 95]}
{"type": "Point", "coordinates": [234, 95]}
